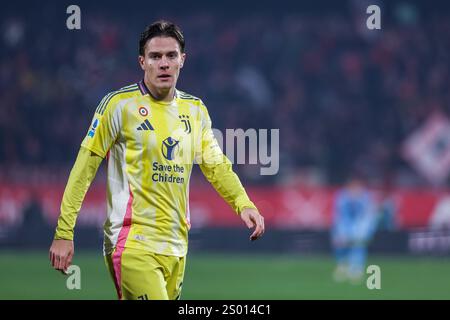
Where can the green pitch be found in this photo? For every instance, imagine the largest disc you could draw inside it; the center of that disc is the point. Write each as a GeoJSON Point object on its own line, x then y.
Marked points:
{"type": "Point", "coordinates": [29, 276]}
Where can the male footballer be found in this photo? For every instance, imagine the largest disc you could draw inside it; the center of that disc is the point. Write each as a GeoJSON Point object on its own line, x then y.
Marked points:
{"type": "Point", "coordinates": [150, 134]}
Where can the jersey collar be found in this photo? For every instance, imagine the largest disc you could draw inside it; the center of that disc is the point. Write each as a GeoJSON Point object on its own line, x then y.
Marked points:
{"type": "Point", "coordinates": [144, 90]}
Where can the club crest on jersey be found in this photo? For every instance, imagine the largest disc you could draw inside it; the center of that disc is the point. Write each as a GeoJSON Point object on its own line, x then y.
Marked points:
{"type": "Point", "coordinates": [143, 111]}
{"type": "Point", "coordinates": [169, 148]}
{"type": "Point", "coordinates": [94, 126]}
{"type": "Point", "coordinates": [187, 123]}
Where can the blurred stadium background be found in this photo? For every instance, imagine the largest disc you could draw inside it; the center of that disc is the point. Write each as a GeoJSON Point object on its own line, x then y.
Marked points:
{"type": "Point", "coordinates": [346, 99]}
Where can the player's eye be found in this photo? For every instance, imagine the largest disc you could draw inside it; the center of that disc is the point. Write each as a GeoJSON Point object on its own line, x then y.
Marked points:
{"type": "Point", "coordinates": [154, 56]}
{"type": "Point", "coordinates": [172, 55]}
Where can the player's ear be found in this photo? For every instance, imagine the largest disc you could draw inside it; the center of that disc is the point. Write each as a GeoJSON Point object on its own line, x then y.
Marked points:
{"type": "Point", "coordinates": [183, 58]}
{"type": "Point", "coordinates": [141, 61]}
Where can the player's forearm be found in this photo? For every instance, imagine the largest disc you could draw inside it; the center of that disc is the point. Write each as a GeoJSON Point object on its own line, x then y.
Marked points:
{"type": "Point", "coordinates": [227, 184]}
{"type": "Point", "coordinates": [81, 176]}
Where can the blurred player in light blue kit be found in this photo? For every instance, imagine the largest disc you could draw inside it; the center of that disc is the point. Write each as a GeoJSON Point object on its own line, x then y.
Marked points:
{"type": "Point", "coordinates": [354, 223]}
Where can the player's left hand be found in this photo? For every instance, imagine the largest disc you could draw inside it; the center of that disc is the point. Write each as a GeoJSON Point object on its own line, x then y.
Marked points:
{"type": "Point", "coordinates": [253, 218]}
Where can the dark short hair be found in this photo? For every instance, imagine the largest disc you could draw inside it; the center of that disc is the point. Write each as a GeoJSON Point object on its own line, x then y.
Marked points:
{"type": "Point", "coordinates": [161, 28]}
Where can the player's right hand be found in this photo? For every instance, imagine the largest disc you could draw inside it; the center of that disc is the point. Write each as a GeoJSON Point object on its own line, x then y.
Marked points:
{"type": "Point", "coordinates": [253, 218]}
{"type": "Point", "coordinates": [61, 254]}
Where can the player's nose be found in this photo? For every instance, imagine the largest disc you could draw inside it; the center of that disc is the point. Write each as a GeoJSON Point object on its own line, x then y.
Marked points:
{"type": "Point", "coordinates": [164, 63]}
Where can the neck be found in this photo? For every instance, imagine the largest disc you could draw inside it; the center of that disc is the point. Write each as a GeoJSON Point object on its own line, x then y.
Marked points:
{"type": "Point", "coordinates": [165, 95]}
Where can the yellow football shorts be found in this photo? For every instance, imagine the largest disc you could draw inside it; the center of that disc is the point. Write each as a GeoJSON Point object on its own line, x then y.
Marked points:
{"type": "Point", "coordinates": [143, 275]}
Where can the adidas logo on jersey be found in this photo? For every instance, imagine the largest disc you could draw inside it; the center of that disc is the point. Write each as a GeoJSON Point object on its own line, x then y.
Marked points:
{"type": "Point", "coordinates": [145, 125]}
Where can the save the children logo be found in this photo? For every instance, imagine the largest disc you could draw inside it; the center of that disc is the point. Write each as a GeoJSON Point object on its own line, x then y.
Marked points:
{"type": "Point", "coordinates": [169, 148]}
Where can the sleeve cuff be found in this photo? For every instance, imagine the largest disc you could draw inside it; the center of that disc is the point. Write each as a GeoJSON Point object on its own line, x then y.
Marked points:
{"type": "Point", "coordinates": [63, 235]}
{"type": "Point", "coordinates": [244, 204]}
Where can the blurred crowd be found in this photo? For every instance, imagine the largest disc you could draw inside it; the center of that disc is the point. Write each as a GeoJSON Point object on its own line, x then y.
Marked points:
{"type": "Point", "coordinates": [343, 96]}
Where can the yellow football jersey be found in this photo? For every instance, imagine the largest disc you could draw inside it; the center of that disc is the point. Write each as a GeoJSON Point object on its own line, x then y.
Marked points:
{"type": "Point", "coordinates": [150, 147]}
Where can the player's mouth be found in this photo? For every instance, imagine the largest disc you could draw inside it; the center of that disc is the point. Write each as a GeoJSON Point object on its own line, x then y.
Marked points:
{"type": "Point", "coordinates": [164, 77]}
